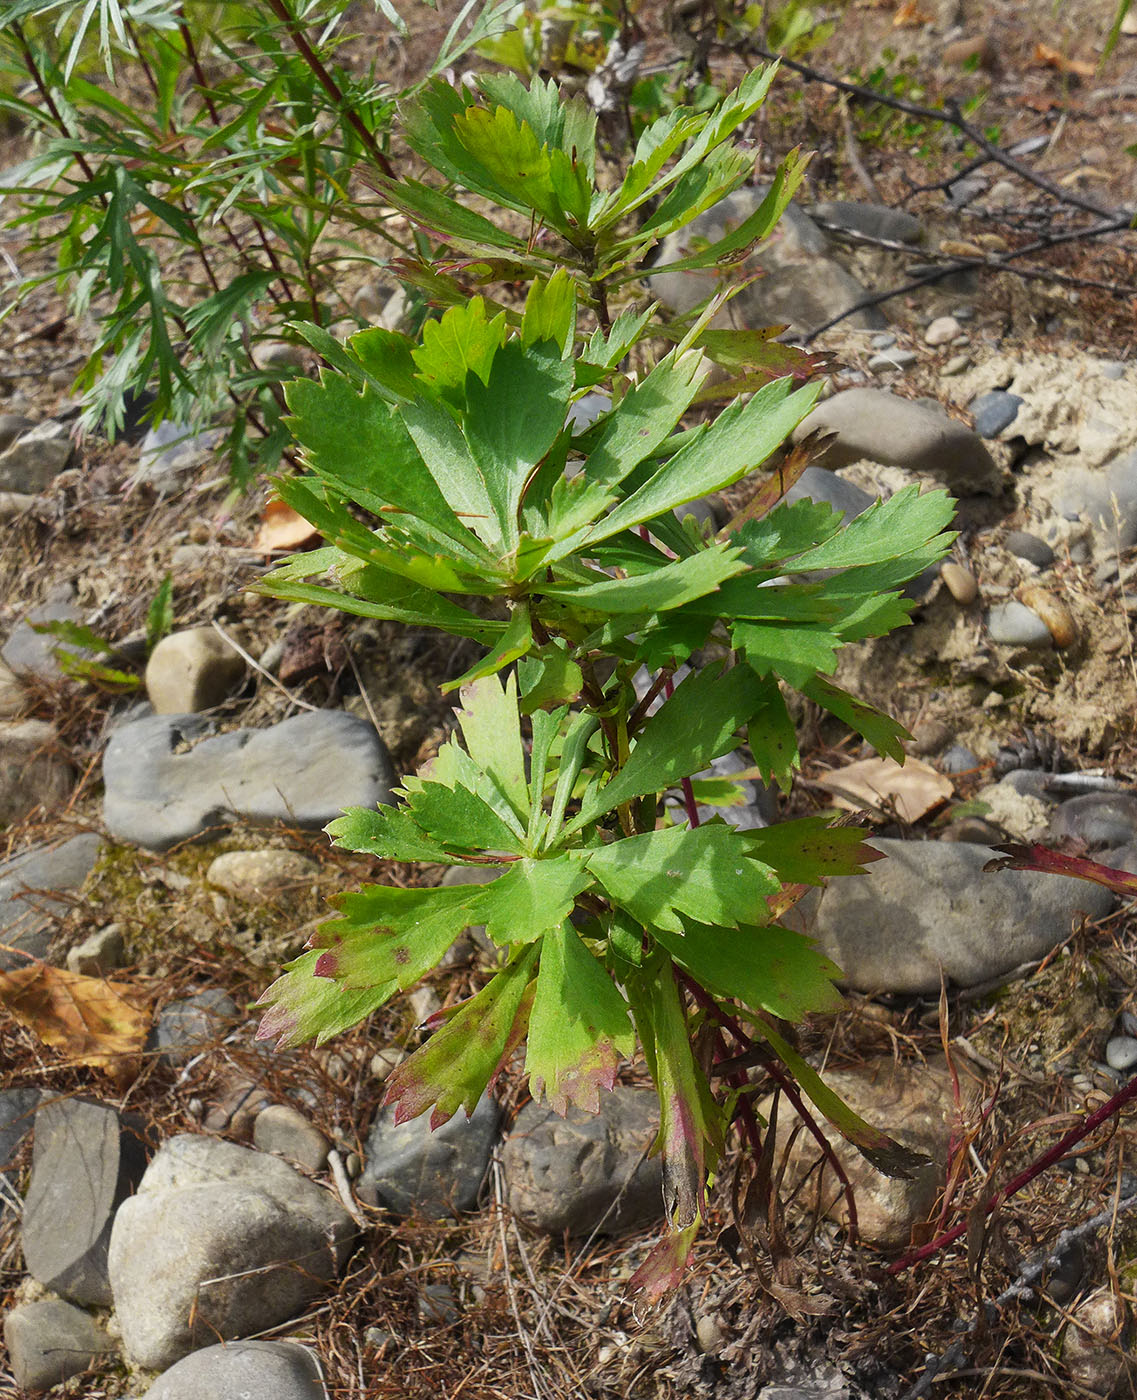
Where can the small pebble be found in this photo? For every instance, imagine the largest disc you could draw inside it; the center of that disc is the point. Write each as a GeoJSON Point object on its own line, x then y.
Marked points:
{"type": "Point", "coordinates": [709, 1333]}
{"type": "Point", "coordinates": [994, 411]}
{"type": "Point", "coordinates": [892, 359]}
{"type": "Point", "coordinates": [1023, 545]}
{"type": "Point", "coordinates": [884, 341]}
{"type": "Point", "coordinates": [960, 583]}
{"type": "Point", "coordinates": [942, 331]}
{"type": "Point", "coordinates": [958, 759]}
{"type": "Point", "coordinates": [1121, 1053]}
{"type": "Point", "coordinates": [956, 365]}
{"type": "Point", "coordinates": [1015, 625]}
{"type": "Point", "coordinates": [1113, 369]}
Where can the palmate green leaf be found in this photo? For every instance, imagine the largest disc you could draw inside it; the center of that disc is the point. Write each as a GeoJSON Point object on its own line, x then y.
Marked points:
{"type": "Point", "coordinates": [491, 730]}
{"type": "Point", "coordinates": [461, 343]}
{"type": "Point", "coordinates": [603, 351]}
{"type": "Point", "coordinates": [359, 445]}
{"type": "Point", "coordinates": [532, 897]}
{"type": "Point", "coordinates": [548, 676]}
{"type": "Point", "coordinates": [886, 735]}
{"type": "Point", "coordinates": [514, 642]}
{"type": "Point", "coordinates": [579, 1030]}
{"type": "Point", "coordinates": [387, 936]}
{"type": "Point", "coordinates": [550, 312]}
{"type": "Point", "coordinates": [387, 832]}
{"type": "Point", "coordinates": [516, 163]}
{"type": "Point", "coordinates": [796, 654]}
{"type": "Point", "coordinates": [569, 124]}
{"type": "Point", "coordinates": [457, 1064]}
{"type": "Point", "coordinates": [770, 968]}
{"type": "Point", "coordinates": [698, 724]}
{"type": "Point", "coordinates": [461, 819]}
{"type": "Point", "coordinates": [385, 357]}
{"type": "Point", "coordinates": [740, 439]}
{"type": "Point", "coordinates": [303, 1007]}
{"type": "Point", "coordinates": [788, 530]}
{"type": "Point", "coordinates": [703, 872]}
{"type": "Point", "coordinates": [452, 766]}
{"type": "Point", "coordinates": [438, 214]}
{"type": "Point", "coordinates": [904, 522]}
{"type": "Point", "coordinates": [886, 1155]}
{"type": "Point", "coordinates": [668, 587]}
{"type": "Point", "coordinates": [447, 455]}
{"type": "Point", "coordinates": [811, 849]}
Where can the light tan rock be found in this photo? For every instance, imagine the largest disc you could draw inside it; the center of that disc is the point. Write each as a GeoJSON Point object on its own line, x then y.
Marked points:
{"type": "Point", "coordinates": [32, 771]}
{"type": "Point", "coordinates": [253, 875]}
{"type": "Point", "coordinates": [913, 1103]}
{"type": "Point", "coordinates": [13, 697]}
{"type": "Point", "coordinates": [1096, 1345]}
{"type": "Point", "coordinates": [192, 671]}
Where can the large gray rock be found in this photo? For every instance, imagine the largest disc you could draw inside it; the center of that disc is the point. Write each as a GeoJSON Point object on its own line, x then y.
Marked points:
{"type": "Point", "coordinates": [804, 286]}
{"type": "Point", "coordinates": [50, 1340]}
{"type": "Point", "coordinates": [219, 1241]}
{"type": "Point", "coordinates": [929, 910]}
{"type": "Point", "coordinates": [85, 1161]}
{"type": "Point", "coordinates": [13, 696]}
{"type": "Point", "coordinates": [248, 1370]}
{"type": "Point", "coordinates": [873, 220]}
{"type": "Point", "coordinates": [1103, 820]}
{"type": "Point", "coordinates": [818, 484]}
{"type": "Point", "coordinates": [35, 459]}
{"type": "Point", "coordinates": [1107, 499]}
{"type": "Point", "coordinates": [167, 781]}
{"type": "Point", "coordinates": [29, 883]}
{"type": "Point", "coordinates": [409, 1169]}
{"type": "Point", "coordinates": [33, 773]}
{"type": "Point", "coordinates": [192, 670]}
{"type": "Point", "coordinates": [170, 450]}
{"type": "Point", "coordinates": [876, 426]}
{"type": "Point", "coordinates": [586, 1171]}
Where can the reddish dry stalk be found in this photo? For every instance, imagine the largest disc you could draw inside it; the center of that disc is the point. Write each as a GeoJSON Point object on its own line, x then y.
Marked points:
{"type": "Point", "coordinates": [1025, 1177]}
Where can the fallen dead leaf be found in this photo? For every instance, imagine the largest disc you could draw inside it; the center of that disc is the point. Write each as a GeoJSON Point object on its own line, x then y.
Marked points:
{"type": "Point", "coordinates": [910, 14]}
{"type": "Point", "coordinates": [882, 785]}
{"type": "Point", "coordinates": [1054, 58]}
{"type": "Point", "coordinates": [90, 1020]}
{"type": "Point", "coordinates": [282, 528]}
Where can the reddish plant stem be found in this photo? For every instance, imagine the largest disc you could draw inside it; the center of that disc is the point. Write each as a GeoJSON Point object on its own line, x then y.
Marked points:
{"type": "Point", "coordinates": [783, 1081]}
{"type": "Point", "coordinates": [330, 86]}
{"type": "Point", "coordinates": [1025, 1177]}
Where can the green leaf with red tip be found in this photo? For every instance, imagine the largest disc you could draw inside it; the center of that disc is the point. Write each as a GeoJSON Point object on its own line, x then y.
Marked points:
{"type": "Point", "coordinates": [455, 1066]}
{"type": "Point", "coordinates": [885, 1154]}
{"type": "Point", "coordinates": [303, 1007]}
{"type": "Point", "coordinates": [1036, 857]}
{"type": "Point", "coordinates": [579, 1031]}
{"type": "Point", "coordinates": [691, 1125]}
{"type": "Point", "coordinates": [392, 937]}
{"type": "Point", "coordinates": [703, 872]}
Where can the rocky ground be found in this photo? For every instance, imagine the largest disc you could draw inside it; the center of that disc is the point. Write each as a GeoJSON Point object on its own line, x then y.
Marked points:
{"type": "Point", "coordinates": [171, 1183]}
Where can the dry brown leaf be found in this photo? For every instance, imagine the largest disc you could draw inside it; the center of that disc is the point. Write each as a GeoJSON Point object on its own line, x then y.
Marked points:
{"type": "Point", "coordinates": [90, 1020]}
{"type": "Point", "coordinates": [282, 528]}
{"type": "Point", "coordinates": [910, 14]}
{"type": "Point", "coordinates": [1056, 59]}
{"type": "Point", "coordinates": [884, 786]}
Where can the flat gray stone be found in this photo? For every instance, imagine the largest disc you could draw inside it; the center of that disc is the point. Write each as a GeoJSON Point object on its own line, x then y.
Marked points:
{"type": "Point", "coordinates": [1107, 499]}
{"type": "Point", "coordinates": [411, 1170]}
{"type": "Point", "coordinates": [29, 883]}
{"type": "Point", "coordinates": [876, 426]}
{"type": "Point", "coordinates": [33, 773]}
{"type": "Point", "coordinates": [243, 1371]}
{"type": "Point", "coordinates": [51, 1340]}
{"type": "Point", "coordinates": [219, 1241]}
{"type": "Point", "coordinates": [282, 1129]}
{"type": "Point", "coordinates": [85, 1162]}
{"type": "Point", "coordinates": [12, 425]}
{"type": "Point", "coordinates": [817, 484]}
{"type": "Point", "coordinates": [1013, 624]}
{"type": "Point", "coordinates": [1103, 820]}
{"type": "Point", "coordinates": [35, 459]}
{"type": "Point", "coordinates": [805, 287]}
{"type": "Point", "coordinates": [1023, 545]}
{"type": "Point", "coordinates": [167, 781]}
{"type": "Point", "coordinates": [873, 220]}
{"type": "Point", "coordinates": [929, 909]}
{"type": "Point", "coordinates": [995, 411]}
{"type": "Point", "coordinates": [586, 1171]}
{"type": "Point", "coordinates": [170, 450]}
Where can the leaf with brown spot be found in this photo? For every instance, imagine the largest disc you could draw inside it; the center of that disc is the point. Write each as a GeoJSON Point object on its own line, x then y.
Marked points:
{"type": "Point", "coordinates": [88, 1019]}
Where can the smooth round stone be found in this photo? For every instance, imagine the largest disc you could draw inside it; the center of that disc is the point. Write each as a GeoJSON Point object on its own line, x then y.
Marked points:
{"type": "Point", "coordinates": [1121, 1053]}
{"type": "Point", "coordinates": [995, 411]}
{"type": "Point", "coordinates": [1114, 369]}
{"type": "Point", "coordinates": [960, 583]}
{"type": "Point", "coordinates": [942, 331]}
{"type": "Point", "coordinates": [1015, 625]}
{"type": "Point", "coordinates": [956, 365]}
{"type": "Point", "coordinates": [1103, 820]}
{"type": "Point", "coordinates": [1023, 545]}
{"type": "Point", "coordinates": [884, 341]}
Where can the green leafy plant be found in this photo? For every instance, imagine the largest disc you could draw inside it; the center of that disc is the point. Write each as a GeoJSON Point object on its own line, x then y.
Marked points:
{"type": "Point", "coordinates": [456, 491]}
{"type": "Point", "coordinates": [189, 221]}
